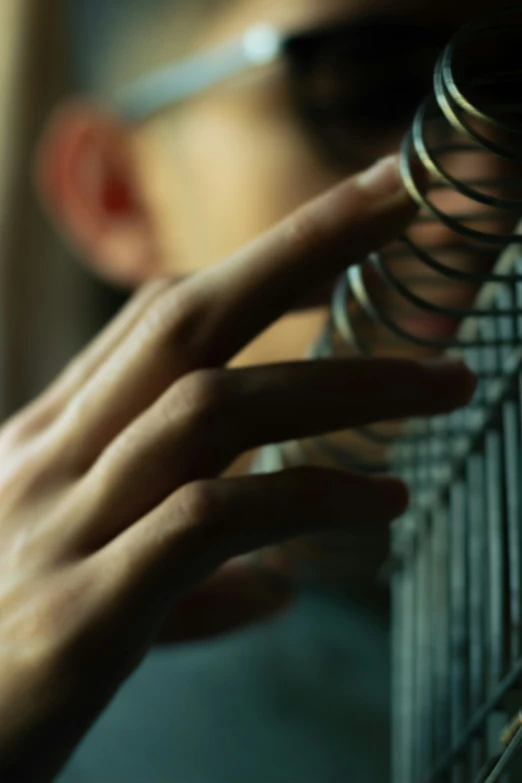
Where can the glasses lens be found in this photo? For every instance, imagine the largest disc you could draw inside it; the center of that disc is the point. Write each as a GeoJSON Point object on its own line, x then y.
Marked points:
{"type": "Point", "coordinates": [357, 86]}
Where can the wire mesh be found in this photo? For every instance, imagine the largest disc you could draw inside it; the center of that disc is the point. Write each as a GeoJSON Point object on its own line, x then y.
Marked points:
{"type": "Point", "coordinates": [453, 284]}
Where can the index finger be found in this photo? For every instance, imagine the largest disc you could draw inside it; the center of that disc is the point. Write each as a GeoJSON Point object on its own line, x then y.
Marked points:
{"type": "Point", "coordinates": [241, 296]}
{"type": "Point", "coordinates": [207, 319]}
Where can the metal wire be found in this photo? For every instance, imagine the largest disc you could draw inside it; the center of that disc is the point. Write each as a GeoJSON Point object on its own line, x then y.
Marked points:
{"type": "Point", "coordinates": [453, 284]}
{"type": "Point", "coordinates": [462, 535]}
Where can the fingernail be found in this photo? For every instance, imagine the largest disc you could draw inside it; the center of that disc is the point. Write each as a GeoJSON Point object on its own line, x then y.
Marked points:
{"type": "Point", "coordinates": [383, 178]}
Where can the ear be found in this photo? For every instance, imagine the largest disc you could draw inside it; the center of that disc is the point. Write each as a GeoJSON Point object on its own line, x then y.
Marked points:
{"type": "Point", "coordinates": [88, 180]}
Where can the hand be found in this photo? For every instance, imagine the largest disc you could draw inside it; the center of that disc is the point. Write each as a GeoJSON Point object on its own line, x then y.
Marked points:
{"type": "Point", "coordinates": [111, 505]}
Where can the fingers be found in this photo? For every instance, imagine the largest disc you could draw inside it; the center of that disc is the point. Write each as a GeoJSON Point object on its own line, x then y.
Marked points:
{"type": "Point", "coordinates": [206, 523]}
{"type": "Point", "coordinates": [208, 318]}
{"type": "Point", "coordinates": [78, 372]}
{"type": "Point", "coordinates": [90, 360]}
{"type": "Point", "coordinates": [206, 420]}
{"type": "Point", "coordinates": [240, 297]}
{"type": "Point", "coordinates": [238, 594]}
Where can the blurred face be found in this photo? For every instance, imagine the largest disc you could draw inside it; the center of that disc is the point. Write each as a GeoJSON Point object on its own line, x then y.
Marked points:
{"type": "Point", "coordinates": [191, 185]}
{"type": "Point", "coordinates": [223, 167]}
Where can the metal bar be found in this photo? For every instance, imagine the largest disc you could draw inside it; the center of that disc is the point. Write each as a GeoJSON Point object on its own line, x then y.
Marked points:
{"type": "Point", "coordinates": [495, 624]}
{"type": "Point", "coordinates": [476, 543]}
{"type": "Point", "coordinates": [424, 649]}
{"type": "Point", "coordinates": [514, 747]}
{"type": "Point", "coordinates": [476, 725]}
{"type": "Point", "coordinates": [399, 749]}
{"type": "Point", "coordinates": [441, 635]}
{"type": "Point", "coordinates": [459, 625]}
{"type": "Point", "coordinates": [408, 659]}
{"type": "Point", "coordinates": [512, 478]}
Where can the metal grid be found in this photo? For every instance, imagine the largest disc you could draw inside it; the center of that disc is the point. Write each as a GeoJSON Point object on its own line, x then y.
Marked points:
{"type": "Point", "coordinates": [457, 621]}
{"type": "Point", "coordinates": [457, 584]}
{"type": "Point", "coordinates": [457, 554]}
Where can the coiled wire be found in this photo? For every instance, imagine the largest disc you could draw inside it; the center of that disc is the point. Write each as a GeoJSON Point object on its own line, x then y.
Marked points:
{"type": "Point", "coordinates": [457, 273]}
{"type": "Point", "coordinates": [451, 284]}
{"type": "Point", "coordinates": [461, 162]}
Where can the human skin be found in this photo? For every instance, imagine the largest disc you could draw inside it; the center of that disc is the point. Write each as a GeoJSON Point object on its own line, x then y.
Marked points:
{"type": "Point", "coordinates": [197, 182]}
{"type": "Point", "coordinates": [190, 186]}
{"type": "Point", "coordinates": [113, 504]}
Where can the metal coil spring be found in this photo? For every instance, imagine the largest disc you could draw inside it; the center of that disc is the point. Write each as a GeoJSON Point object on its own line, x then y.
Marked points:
{"type": "Point", "coordinates": [457, 590]}
{"type": "Point", "coordinates": [413, 297]}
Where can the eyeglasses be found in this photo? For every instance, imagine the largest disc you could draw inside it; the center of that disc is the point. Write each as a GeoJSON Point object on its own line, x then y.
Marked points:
{"type": "Point", "coordinates": [352, 83]}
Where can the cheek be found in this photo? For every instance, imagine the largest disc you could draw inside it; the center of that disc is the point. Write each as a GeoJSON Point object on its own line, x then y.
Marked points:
{"type": "Point", "coordinates": [246, 170]}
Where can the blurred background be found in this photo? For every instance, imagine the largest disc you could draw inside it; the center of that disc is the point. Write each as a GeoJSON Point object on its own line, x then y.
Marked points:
{"type": "Point", "coordinates": [50, 305]}
{"type": "Point", "coordinates": [288, 696]}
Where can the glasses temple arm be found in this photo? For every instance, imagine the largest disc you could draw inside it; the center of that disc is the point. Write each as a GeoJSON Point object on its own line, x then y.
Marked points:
{"type": "Point", "coordinates": [260, 45]}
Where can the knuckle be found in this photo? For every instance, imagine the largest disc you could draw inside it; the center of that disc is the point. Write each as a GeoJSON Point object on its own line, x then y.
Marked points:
{"type": "Point", "coordinates": [172, 319]}
{"type": "Point", "coordinates": [22, 426]}
{"type": "Point", "coordinates": [31, 471]}
{"type": "Point", "coordinates": [304, 230]}
{"type": "Point", "coordinates": [153, 321]}
{"type": "Point", "coordinates": [121, 450]}
{"type": "Point", "coordinates": [13, 432]}
{"type": "Point", "coordinates": [204, 393]}
{"type": "Point", "coordinates": [157, 285]}
{"type": "Point", "coordinates": [74, 414]}
{"type": "Point", "coordinates": [199, 503]}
